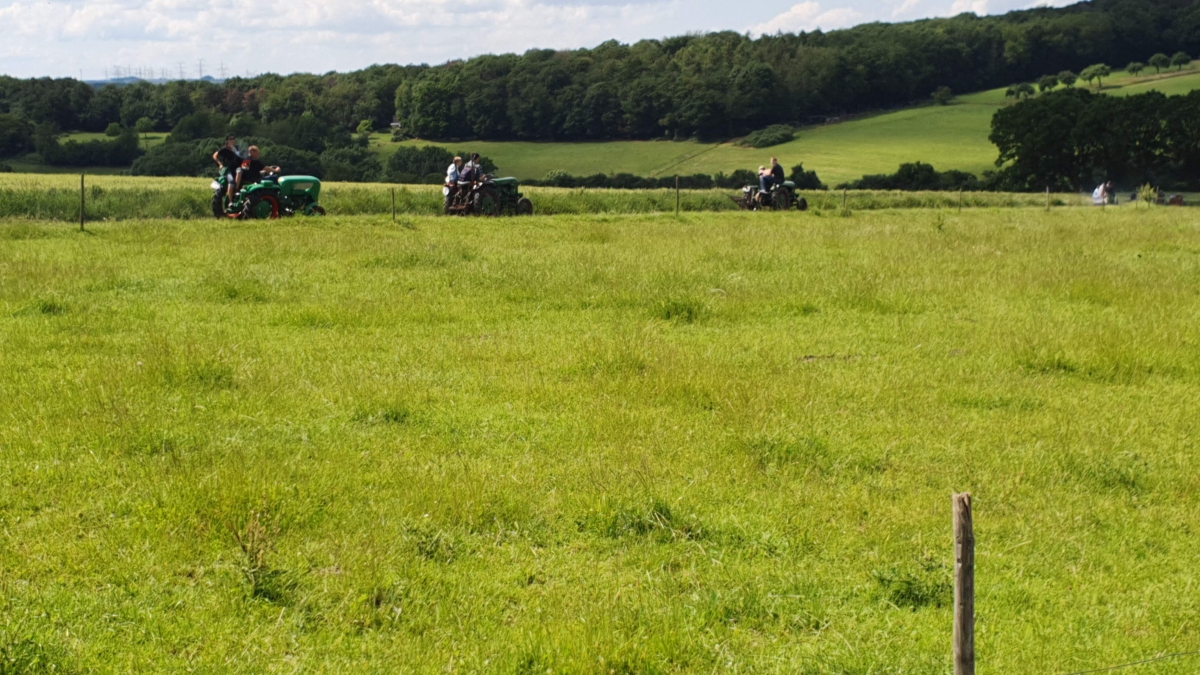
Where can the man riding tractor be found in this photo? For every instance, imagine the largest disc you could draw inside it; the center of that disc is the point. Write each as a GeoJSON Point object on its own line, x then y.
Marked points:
{"type": "Point", "coordinates": [769, 179]}
{"type": "Point", "coordinates": [252, 169]}
{"type": "Point", "coordinates": [461, 183]}
{"type": "Point", "coordinates": [773, 191]}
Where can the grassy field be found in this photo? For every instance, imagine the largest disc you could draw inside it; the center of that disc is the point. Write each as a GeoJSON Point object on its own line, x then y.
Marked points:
{"type": "Point", "coordinates": [599, 444]}
{"type": "Point", "coordinates": [56, 197]}
{"type": "Point", "coordinates": [948, 137]}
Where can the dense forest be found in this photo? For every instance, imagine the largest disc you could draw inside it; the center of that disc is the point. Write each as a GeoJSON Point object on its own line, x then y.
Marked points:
{"type": "Point", "coordinates": [718, 85]}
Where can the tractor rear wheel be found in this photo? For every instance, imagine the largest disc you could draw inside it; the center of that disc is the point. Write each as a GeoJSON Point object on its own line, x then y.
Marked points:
{"type": "Point", "coordinates": [263, 207]}
{"type": "Point", "coordinates": [524, 207]}
{"type": "Point", "coordinates": [781, 200]}
{"type": "Point", "coordinates": [486, 203]}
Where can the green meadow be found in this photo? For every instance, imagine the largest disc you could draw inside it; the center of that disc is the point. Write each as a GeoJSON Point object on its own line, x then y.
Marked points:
{"type": "Point", "coordinates": [948, 137]}
{"type": "Point", "coordinates": [722, 442]}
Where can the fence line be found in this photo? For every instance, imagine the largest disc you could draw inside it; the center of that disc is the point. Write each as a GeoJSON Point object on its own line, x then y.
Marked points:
{"type": "Point", "coordinates": [1135, 663]}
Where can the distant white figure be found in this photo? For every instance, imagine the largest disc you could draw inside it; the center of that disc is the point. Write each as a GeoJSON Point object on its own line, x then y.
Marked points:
{"type": "Point", "coordinates": [1100, 196]}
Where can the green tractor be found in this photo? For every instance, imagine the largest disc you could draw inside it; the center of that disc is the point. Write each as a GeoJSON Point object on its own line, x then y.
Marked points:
{"type": "Point", "coordinates": [272, 198]}
{"type": "Point", "coordinates": [490, 197]}
{"type": "Point", "coordinates": [781, 197]}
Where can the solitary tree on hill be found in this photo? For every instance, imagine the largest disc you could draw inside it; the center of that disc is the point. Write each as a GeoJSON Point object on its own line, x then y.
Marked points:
{"type": "Point", "coordinates": [1135, 68]}
{"type": "Point", "coordinates": [1097, 72]}
{"type": "Point", "coordinates": [144, 126]}
{"type": "Point", "coordinates": [1047, 82]}
{"type": "Point", "coordinates": [1068, 78]}
{"type": "Point", "coordinates": [1160, 61]}
{"type": "Point", "coordinates": [1020, 91]}
{"type": "Point", "coordinates": [1180, 60]}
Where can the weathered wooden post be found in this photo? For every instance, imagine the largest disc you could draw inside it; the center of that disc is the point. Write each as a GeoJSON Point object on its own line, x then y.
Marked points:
{"type": "Point", "coordinates": [393, 205]}
{"type": "Point", "coordinates": [676, 195]}
{"type": "Point", "coordinates": [960, 200]}
{"type": "Point", "coordinates": [843, 199]}
{"type": "Point", "coordinates": [964, 586]}
{"type": "Point", "coordinates": [1047, 197]}
{"type": "Point", "coordinates": [82, 204]}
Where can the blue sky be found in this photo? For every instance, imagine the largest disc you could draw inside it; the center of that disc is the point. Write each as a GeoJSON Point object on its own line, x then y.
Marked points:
{"type": "Point", "coordinates": [93, 37]}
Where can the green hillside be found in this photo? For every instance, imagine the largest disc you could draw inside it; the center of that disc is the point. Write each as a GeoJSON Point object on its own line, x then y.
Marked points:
{"type": "Point", "coordinates": [949, 137]}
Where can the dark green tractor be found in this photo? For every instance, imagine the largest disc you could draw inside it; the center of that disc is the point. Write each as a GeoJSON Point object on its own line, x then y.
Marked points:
{"type": "Point", "coordinates": [272, 198]}
{"type": "Point", "coordinates": [492, 197]}
{"type": "Point", "coordinates": [781, 197]}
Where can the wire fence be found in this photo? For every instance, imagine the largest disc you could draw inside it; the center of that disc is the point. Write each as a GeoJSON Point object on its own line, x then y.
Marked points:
{"type": "Point", "coordinates": [1164, 657]}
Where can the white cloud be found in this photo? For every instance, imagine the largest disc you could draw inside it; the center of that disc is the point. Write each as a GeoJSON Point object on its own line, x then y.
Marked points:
{"type": "Point", "coordinates": [905, 8]}
{"type": "Point", "coordinates": [808, 16]}
{"type": "Point", "coordinates": [67, 37]}
{"type": "Point", "coordinates": [979, 7]}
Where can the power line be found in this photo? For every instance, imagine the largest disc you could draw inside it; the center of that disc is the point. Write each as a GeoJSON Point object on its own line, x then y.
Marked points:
{"type": "Point", "coordinates": [1135, 663]}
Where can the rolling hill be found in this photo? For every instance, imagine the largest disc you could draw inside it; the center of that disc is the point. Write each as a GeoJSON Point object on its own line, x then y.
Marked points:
{"type": "Point", "coordinates": [948, 137]}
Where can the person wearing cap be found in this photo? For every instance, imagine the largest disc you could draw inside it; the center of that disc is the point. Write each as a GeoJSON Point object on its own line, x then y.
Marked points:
{"type": "Point", "coordinates": [229, 160]}
{"type": "Point", "coordinates": [471, 172]}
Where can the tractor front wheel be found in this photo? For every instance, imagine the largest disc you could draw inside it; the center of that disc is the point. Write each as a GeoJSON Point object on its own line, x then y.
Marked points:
{"type": "Point", "coordinates": [220, 206]}
{"type": "Point", "coordinates": [263, 207]}
{"type": "Point", "coordinates": [486, 203]}
{"type": "Point", "coordinates": [524, 207]}
{"type": "Point", "coordinates": [802, 204]}
{"type": "Point", "coordinates": [781, 200]}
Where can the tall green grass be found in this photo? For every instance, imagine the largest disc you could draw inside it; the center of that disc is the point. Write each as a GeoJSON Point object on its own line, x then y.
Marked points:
{"type": "Point", "coordinates": [122, 198]}
{"type": "Point", "coordinates": [598, 444]}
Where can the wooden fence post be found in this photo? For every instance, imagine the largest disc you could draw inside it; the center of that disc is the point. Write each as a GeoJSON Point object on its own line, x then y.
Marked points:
{"type": "Point", "coordinates": [82, 204]}
{"type": "Point", "coordinates": [964, 586]}
{"type": "Point", "coordinates": [1047, 197]}
{"type": "Point", "coordinates": [843, 199]}
{"type": "Point", "coordinates": [676, 196]}
{"type": "Point", "coordinates": [393, 205]}
{"type": "Point", "coordinates": [960, 200]}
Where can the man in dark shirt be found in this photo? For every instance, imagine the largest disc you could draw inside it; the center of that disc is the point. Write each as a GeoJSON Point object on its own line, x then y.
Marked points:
{"type": "Point", "coordinates": [774, 176]}
{"type": "Point", "coordinates": [253, 168]}
{"type": "Point", "coordinates": [229, 160]}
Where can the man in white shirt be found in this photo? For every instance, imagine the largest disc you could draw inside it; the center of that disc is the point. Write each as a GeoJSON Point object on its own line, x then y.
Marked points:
{"type": "Point", "coordinates": [452, 175]}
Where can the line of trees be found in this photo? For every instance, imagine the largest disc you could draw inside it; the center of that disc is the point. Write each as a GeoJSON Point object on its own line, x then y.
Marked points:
{"type": "Point", "coordinates": [709, 86]}
{"type": "Point", "coordinates": [1096, 73]}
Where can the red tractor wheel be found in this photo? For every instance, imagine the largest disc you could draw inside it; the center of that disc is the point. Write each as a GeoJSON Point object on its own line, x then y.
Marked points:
{"type": "Point", "coordinates": [263, 207]}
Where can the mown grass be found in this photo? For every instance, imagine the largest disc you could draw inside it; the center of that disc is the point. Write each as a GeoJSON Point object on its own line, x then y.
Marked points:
{"type": "Point", "coordinates": [49, 197]}
{"type": "Point", "coordinates": [598, 444]}
{"type": "Point", "coordinates": [948, 137]}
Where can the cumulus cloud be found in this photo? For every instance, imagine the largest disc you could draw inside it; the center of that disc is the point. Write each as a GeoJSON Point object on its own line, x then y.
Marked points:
{"type": "Point", "coordinates": [73, 37]}
{"type": "Point", "coordinates": [808, 16]}
{"type": "Point", "coordinates": [299, 35]}
{"type": "Point", "coordinates": [979, 7]}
